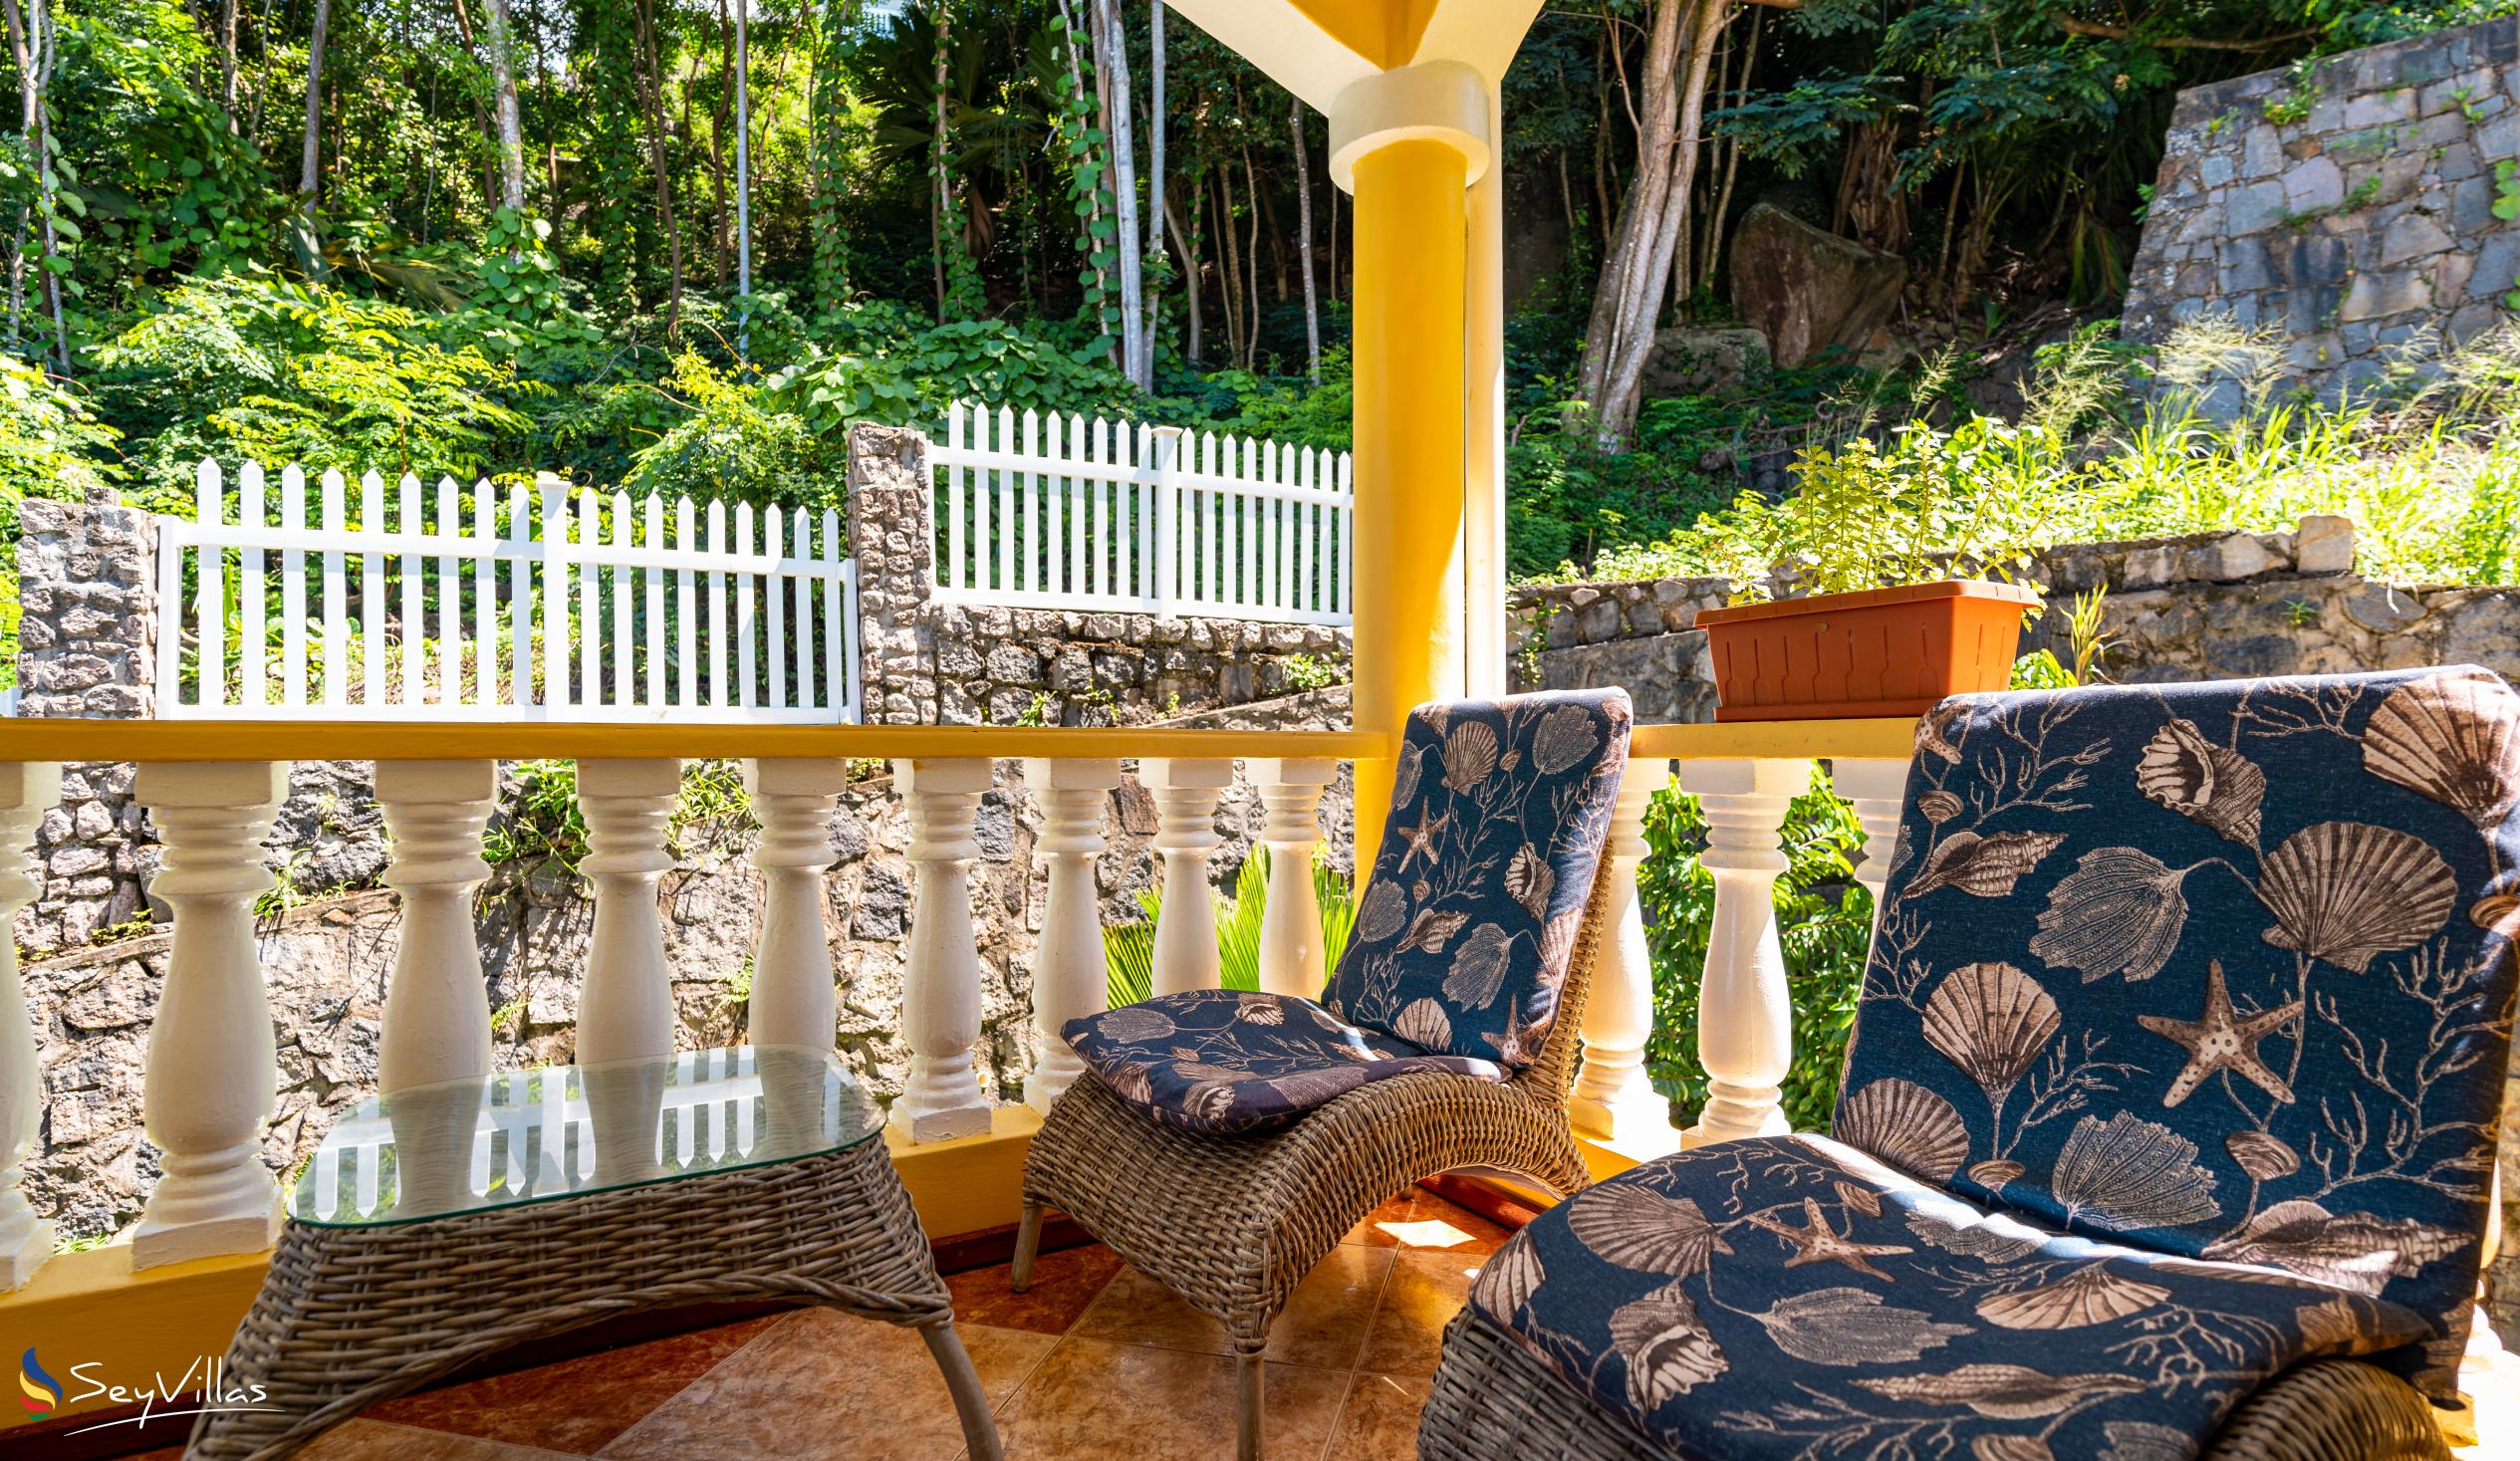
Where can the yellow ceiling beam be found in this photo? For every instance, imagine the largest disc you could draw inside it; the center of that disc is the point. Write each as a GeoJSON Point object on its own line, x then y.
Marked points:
{"type": "Point", "coordinates": [1319, 48]}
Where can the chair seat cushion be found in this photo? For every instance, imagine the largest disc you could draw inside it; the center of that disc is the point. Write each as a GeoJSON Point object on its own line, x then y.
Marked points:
{"type": "Point", "coordinates": [1792, 1297]}
{"type": "Point", "coordinates": [1230, 1061]}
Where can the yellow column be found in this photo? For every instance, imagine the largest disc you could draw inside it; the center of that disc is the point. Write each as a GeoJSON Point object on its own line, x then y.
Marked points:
{"type": "Point", "coordinates": [1409, 251]}
{"type": "Point", "coordinates": [1483, 432]}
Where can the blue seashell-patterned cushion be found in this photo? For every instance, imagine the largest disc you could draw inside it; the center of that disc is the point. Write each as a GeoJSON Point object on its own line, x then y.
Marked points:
{"type": "Point", "coordinates": [1230, 1062]}
{"type": "Point", "coordinates": [2218, 970]}
{"type": "Point", "coordinates": [1500, 810]}
{"type": "Point", "coordinates": [1789, 1297]}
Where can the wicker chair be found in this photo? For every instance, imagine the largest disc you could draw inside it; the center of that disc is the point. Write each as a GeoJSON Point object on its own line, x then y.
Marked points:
{"type": "Point", "coordinates": [2193, 1159]}
{"type": "Point", "coordinates": [1232, 1223]}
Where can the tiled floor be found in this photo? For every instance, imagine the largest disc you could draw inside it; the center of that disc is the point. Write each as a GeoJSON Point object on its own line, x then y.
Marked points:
{"type": "Point", "coordinates": [1095, 1362]}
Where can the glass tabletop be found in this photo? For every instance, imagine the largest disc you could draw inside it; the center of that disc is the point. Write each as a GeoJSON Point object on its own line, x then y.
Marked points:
{"type": "Point", "coordinates": [522, 1136]}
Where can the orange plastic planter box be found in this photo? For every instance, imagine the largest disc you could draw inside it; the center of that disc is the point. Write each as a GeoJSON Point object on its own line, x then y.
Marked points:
{"type": "Point", "coordinates": [1881, 651]}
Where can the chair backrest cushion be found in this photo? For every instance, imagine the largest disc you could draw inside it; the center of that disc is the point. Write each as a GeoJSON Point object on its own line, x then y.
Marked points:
{"type": "Point", "coordinates": [2222, 970]}
{"type": "Point", "coordinates": [1500, 809]}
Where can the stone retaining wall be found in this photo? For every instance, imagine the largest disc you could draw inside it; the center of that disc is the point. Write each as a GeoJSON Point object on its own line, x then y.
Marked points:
{"type": "Point", "coordinates": [2359, 204]}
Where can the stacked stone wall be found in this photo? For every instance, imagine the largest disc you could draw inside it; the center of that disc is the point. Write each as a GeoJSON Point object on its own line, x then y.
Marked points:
{"type": "Point", "coordinates": [2363, 207]}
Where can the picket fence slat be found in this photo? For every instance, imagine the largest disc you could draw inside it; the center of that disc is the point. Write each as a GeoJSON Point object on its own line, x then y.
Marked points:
{"type": "Point", "coordinates": [433, 629]}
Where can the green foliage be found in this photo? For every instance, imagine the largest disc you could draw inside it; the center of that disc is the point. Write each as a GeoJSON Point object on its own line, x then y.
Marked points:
{"type": "Point", "coordinates": [885, 367]}
{"type": "Point", "coordinates": [1128, 949]}
{"type": "Point", "coordinates": [540, 825]}
{"type": "Point", "coordinates": [51, 446]}
{"type": "Point", "coordinates": [520, 279]}
{"type": "Point", "coordinates": [733, 442]}
{"type": "Point", "coordinates": [1313, 671]}
{"type": "Point", "coordinates": [1823, 918]}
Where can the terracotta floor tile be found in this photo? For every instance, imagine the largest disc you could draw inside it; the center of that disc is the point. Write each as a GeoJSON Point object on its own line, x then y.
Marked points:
{"type": "Point", "coordinates": [1092, 1399]}
{"type": "Point", "coordinates": [824, 1385]}
{"type": "Point", "coordinates": [1417, 1218]}
{"type": "Point", "coordinates": [1325, 1321]}
{"type": "Point", "coordinates": [576, 1405]}
{"type": "Point", "coordinates": [1426, 1289]}
{"type": "Point", "coordinates": [1380, 1420]}
{"type": "Point", "coordinates": [1064, 1284]}
{"type": "Point", "coordinates": [1133, 1309]}
{"type": "Point", "coordinates": [371, 1440]}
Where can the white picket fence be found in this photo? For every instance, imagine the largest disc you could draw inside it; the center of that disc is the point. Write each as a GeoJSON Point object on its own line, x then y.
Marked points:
{"type": "Point", "coordinates": [542, 602]}
{"type": "Point", "coordinates": [1053, 512]}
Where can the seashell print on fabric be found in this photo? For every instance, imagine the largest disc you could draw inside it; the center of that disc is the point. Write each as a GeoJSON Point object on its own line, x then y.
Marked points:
{"type": "Point", "coordinates": [1981, 1240]}
{"type": "Point", "coordinates": [1130, 1084]}
{"type": "Point", "coordinates": [1993, 1173]}
{"type": "Point", "coordinates": [1210, 1101]}
{"type": "Point", "coordinates": [1478, 967]}
{"type": "Point", "coordinates": [2003, 1392]}
{"type": "Point", "coordinates": [1565, 736]}
{"type": "Point", "coordinates": [1508, 1279]}
{"type": "Point", "coordinates": [2453, 737]}
{"type": "Point", "coordinates": [2120, 911]}
{"type": "Point", "coordinates": [1934, 730]}
{"type": "Point", "coordinates": [2085, 1297]}
{"type": "Point", "coordinates": [1529, 880]}
{"type": "Point", "coordinates": [2333, 1322]}
{"type": "Point", "coordinates": [2141, 1440]}
{"type": "Point", "coordinates": [1432, 927]}
{"type": "Point", "coordinates": [1849, 1326]}
{"type": "Point", "coordinates": [1382, 911]}
{"type": "Point", "coordinates": [1469, 754]}
{"type": "Point", "coordinates": [1907, 1125]}
{"type": "Point", "coordinates": [1666, 1346]}
{"type": "Point", "coordinates": [1940, 806]}
{"type": "Point", "coordinates": [1423, 1022]}
{"type": "Point", "coordinates": [1857, 1198]}
{"type": "Point", "coordinates": [2355, 1251]}
{"type": "Point", "coordinates": [2010, 1448]}
{"type": "Point", "coordinates": [1991, 1020]}
{"type": "Point", "coordinates": [2201, 781]}
{"type": "Point", "coordinates": [2348, 893]}
{"type": "Point", "coordinates": [1986, 866]}
{"type": "Point", "coordinates": [1260, 1011]}
{"type": "Point", "coordinates": [2129, 1173]}
{"type": "Point", "coordinates": [2262, 1156]}
{"type": "Point", "coordinates": [1638, 1228]}
{"type": "Point", "coordinates": [1404, 778]}
{"type": "Point", "coordinates": [2496, 913]}
{"type": "Point", "coordinates": [1136, 1024]}
{"type": "Point", "coordinates": [1310, 1088]}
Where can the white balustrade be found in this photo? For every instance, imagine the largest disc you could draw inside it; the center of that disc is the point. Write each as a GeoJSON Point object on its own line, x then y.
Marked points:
{"type": "Point", "coordinates": [1291, 958]}
{"type": "Point", "coordinates": [1878, 789]}
{"type": "Point", "coordinates": [1614, 1100]}
{"type": "Point", "coordinates": [1068, 979]}
{"type": "Point", "coordinates": [27, 790]}
{"type": "Point", "coordinates": [940, 1001]}
{"type": "Point", "coordinates": [437, 1009]}
{"type": "Point", "coordinates": [212, 1072]}
{"type": "Point", "coordinates": [625, 1006]}
{"type": "Point", "coordinates": [793, 998]}
{"type": "Point", "coordinates": [1745, 1025]}
{"type": "Point", "coordinates": [1185, 793]}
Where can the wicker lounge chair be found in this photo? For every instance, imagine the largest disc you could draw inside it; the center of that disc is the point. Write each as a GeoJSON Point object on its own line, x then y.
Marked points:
{"type": "Point", "coordinates": [1445, 1038]}
{"type": "Point", "coordinates": [2166, 1127]}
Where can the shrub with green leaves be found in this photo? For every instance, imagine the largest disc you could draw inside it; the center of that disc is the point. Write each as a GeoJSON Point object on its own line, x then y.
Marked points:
{"type": "Point", "coordinates": [1823, 918]}
{"type": "Point", "coordinates": [734, 443]}
{"type": "Point", "coordinates": [1128, 949]}
{"type": "Point", "coordinates": [51, 446]}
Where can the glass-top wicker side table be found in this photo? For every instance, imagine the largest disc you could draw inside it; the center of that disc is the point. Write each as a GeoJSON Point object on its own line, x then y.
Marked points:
{"type": "Point", "coordinates": [445, 1223]}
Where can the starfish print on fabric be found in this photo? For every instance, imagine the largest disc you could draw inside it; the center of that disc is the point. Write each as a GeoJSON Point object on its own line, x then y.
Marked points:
{"type": "Point", "coordinates": [2219, 1040]}
{"type": "Point", "coordinates": [1817, 1242]}
{"type": "Point", "coordinates": [1421, 838]}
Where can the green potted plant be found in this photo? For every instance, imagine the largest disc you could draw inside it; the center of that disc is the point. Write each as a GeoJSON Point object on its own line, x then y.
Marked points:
{"type": "Point", "coordinates": [1846, 601]}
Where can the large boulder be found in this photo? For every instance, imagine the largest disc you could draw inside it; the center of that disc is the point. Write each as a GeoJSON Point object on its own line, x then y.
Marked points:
{"type": "Point", "coordinates": [1807, 290]}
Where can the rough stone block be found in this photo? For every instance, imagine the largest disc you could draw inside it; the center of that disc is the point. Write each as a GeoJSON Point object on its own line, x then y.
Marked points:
{"type": "Point", "coordinates": [2324, 543]}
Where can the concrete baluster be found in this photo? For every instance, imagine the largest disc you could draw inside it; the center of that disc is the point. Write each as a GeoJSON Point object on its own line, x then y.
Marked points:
{"type": "Point", "coordinates": [1879, 789]}
{"type": "Point", "coordinates": [793, 998]}
{"type": "Point", "coordinates": [212, 1064]}
{"type": "Point", "coordinates": [1613, 1099]}
{"type": "Point", "coordinates": [27, 792]}
{"type": "Point", "coordinates": [1292, 960]}
{"type": "Point", "coordinates": [626, 1006]}
{"type": "Point", "coordinates": [437, 1009]}
{"type": "Point", "coordinates": [1745, 1022]}
{"type": "Point", "coordinates": [1186, 795]}
{"type": "Point", "coordinates": [940, 1000]}
{"type": "Point", "coordinates": [1068, 980]}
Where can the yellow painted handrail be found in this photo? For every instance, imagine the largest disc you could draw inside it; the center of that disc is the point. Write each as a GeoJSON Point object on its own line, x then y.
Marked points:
{"type": "Point", "coordinates": [175, 740]}
{"type": "Point", "coordinates": [1889, 738]}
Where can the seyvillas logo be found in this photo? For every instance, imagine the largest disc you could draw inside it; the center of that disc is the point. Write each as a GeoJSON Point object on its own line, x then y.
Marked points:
{"type": "Point", "coordinates": [43, 1392]}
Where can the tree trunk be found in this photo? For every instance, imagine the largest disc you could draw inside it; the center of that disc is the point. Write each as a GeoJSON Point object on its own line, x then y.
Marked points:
{"type": "Point", "coordinates": [1192, 266]}
{"type": "Point", "coordinates": [311, 165]}
{"type": "Point", "coordinates": [651, 78]}
{"type": "Point", "coordinates": [511, 127]}
{"type": "Point", "coordinates": [1250, 260]}
{"type": "Point", "coordinates": [936, 158]}
{"type": "Point", "coordinates": [1304, 242]}
{"type": "Point", "coordinates": [1112, 52]}
{"type": "Point", "coordinates": [722, 231]}
{"type": "Point", "coordinates": [1156, 203]}
{"type": "Point", "coordinates": [1229, 279]}
{"type": "Point", "coordinates": [34, 45]}
{"type": "Point", "coordinates": [227, 60]}
{"type": "Point", "coordinates": [743, 160]}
